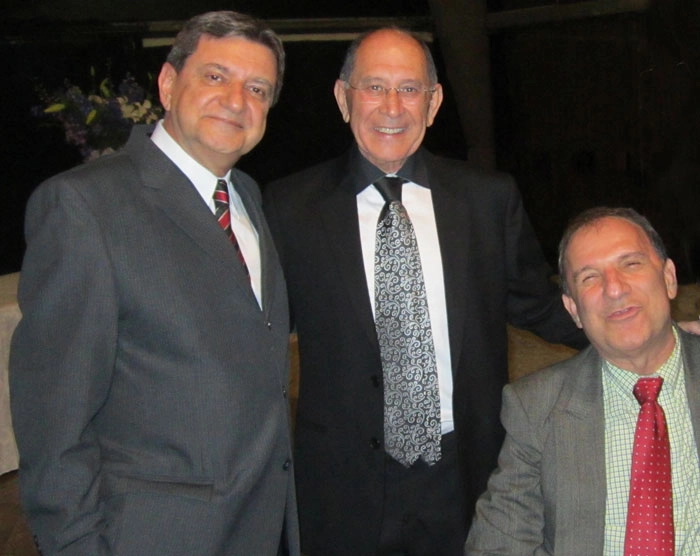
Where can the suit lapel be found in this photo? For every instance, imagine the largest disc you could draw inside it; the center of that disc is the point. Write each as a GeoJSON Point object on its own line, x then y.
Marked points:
{"type": "Point", "coordinates": [691, 363]}
{"type": "Point", "coordinates": [337, 208]}
{"type": "Point", "coordinates": [268, 254]}
{"type": "Point", "coordinates": [169, 190]}
{"type": "Point", "coordinates": [453, 236]}
{"type": "Point", "coordinates": [579, 440]}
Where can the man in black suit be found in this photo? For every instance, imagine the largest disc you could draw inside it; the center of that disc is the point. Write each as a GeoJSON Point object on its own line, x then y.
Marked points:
{"type": "Point", "coordinates": [482, 267]}
{"type": "Point", "coordinates": [149, 372]}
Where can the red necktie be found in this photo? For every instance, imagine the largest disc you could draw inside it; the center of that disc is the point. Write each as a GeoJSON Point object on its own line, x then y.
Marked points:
{"type": "Point", "coordinates": [650, 509]}
{"type": "Point", "coordinates": [223, 215]}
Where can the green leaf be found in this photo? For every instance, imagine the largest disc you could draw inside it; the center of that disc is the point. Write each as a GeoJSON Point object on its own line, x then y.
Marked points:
{"type": "Point", "coordinates": [91, 116]}
{"type": "Point", "coordinates": [104, 88]}
{"type": "Point", "coordinates": [54, 108]}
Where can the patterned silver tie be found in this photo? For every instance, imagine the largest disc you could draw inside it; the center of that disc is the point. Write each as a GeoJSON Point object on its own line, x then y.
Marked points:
{"type": "Point", "coordinates": [411, 393]}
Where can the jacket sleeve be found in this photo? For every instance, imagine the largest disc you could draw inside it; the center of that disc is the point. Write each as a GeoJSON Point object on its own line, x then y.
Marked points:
{"type": "Point", "coordinates": [62, 358]}
{"type": "Point", "coordinates": [534, 299]}
{"type": "Point", "coordinates": [509, 517]}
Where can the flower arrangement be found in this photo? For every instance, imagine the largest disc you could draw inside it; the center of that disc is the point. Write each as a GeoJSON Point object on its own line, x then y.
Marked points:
{"type": "Point", "coordinates": [100, 121]}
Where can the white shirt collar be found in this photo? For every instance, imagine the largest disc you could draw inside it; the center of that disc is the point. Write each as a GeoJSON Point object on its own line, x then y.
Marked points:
{"type": "Point", "coordinates": [202, 179]}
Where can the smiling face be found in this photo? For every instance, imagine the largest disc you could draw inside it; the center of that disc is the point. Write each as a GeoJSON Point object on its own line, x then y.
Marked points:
{"type": "Point", "coordinates": [217, 104]}
{"type": "Point", "coordinates": [388, 129]}
{"type": "Point", "coordinates": [620, 292]}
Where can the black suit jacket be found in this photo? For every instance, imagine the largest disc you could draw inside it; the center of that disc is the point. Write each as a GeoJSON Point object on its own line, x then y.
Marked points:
{"type": "Point", "coordinates": [494, 272]}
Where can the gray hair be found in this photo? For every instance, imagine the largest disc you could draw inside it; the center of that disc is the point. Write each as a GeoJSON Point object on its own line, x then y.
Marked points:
{"type": "Point", "coordinates": [227, 24]}
{"type": "Point", "coordinates": [590, 217]}
{"type": "Point", "coordinates": [351, 54]}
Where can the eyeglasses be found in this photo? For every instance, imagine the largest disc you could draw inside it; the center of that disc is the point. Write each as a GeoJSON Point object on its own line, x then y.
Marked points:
{"type": "Point", "coordinates": [375, 92]}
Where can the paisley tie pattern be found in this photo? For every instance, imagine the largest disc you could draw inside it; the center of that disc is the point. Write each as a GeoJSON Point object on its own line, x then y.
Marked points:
{"type": "Point", "coordinates": [411, 393]}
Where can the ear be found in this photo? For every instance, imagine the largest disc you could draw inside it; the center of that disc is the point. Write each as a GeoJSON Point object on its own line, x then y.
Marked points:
{"type": "Point", "coordinates": [341, 97]}
{"type": "Point", "coordinates": [166, 81]}
{"type": "Point", "coordinates": [434, 104]}
{"type": "Point", "coordinates": [570, 306]}
{"type": "Point", "coordinates": [670, 279]}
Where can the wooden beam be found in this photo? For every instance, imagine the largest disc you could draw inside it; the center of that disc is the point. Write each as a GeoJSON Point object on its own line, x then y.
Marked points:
{"type": "Point", "coordinates": [464, 43]}
{"type": "Point", "coordinates": [497, 21]}
{"type": "Point", "coordinates": [290, 26]}
{"type": "Point", "coordinates": [162, 33]}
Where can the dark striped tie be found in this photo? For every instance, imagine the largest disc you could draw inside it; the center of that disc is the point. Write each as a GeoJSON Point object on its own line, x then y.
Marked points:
{"type": "Point", "coordinates": [223, 215]}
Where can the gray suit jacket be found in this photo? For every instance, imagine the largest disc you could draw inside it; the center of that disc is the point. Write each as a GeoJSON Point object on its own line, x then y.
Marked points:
{"type": "Point", "coordinates": [548, 494]}
{"type": "Point", "coordinates": [148, 387]}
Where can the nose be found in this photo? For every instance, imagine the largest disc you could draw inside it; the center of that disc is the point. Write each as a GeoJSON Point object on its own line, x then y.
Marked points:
{"type": "Point", "coordinates": [234, 97]}
{"type": "Point", "coordinates": [615, 284]}
{"type": "Point", "coordinates": [391, 104]}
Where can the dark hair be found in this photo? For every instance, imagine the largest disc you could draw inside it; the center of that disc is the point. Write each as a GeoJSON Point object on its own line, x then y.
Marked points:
{"type": "Point", "coordinates": [590, 217]}
{"type": "Point", "coordinates": [351, 54]}
{"type": "Point", "coordinates": [226, 24]}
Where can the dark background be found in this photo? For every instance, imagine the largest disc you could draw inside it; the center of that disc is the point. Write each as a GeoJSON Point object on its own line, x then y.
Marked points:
{"type": "Point", "coordinates": [600, 110]}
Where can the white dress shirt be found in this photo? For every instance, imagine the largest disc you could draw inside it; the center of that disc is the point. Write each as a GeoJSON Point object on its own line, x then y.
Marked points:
{"type": "Point", "coordinates": [419, 205]}
{"type": "Point", "coordinates": [205, 183]}
{"type": "Point", "coordinates": [621, 412]}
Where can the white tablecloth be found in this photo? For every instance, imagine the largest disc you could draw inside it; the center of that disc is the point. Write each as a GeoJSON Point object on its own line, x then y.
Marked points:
{"type": "Point", "coordinates": [526, 354]}
{"type": "Point", "coordinates": [9, 317]}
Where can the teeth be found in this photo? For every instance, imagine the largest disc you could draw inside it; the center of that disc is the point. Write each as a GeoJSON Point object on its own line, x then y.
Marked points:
{"type": "Point", "coordinates": [389, 130]}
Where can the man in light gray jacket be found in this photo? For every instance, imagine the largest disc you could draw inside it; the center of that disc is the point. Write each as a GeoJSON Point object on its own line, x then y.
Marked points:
{"type": "Point", "coordinates": [563, 482]}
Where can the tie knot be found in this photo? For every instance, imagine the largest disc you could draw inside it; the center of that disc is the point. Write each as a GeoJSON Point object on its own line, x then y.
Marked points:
{"type": "Point", "coordinates": [647, 389]}
{"type": "Point", "coordinates": [221, 192]}
{"type": "Point", "coordinates": [390, 187]}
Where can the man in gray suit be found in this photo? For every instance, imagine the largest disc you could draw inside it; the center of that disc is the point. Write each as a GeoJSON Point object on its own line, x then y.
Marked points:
{"type": "Point", "coordinates": [149, 372]}
{"type": "Point", "coordinates": [564, 474]}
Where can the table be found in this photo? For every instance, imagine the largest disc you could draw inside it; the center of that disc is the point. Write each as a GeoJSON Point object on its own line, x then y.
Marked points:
{"type": "Point", "coordinates": [527, 353]}
{"type": "Point", "coordinates": [9, 317]}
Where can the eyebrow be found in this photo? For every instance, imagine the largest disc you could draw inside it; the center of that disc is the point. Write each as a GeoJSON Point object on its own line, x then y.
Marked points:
{"type": "Point", "coordinates": [406, 81]}
{"type": "Point", "coordinates": [261, 81]}
{"type": "Point", "coordinates": [228, 72]}
{"type": "Point", "coordinates": [632, 254]}
{"type": "Point", "coordinates": [621, 258]}
{"type": "Point", "coordinates": [214, 65]}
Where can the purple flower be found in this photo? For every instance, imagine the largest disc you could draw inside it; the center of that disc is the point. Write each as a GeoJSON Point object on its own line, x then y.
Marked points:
{"type": "Point", "coordinates": [131, 90]}
{"type": "Point", "coordinates": [100, 121]}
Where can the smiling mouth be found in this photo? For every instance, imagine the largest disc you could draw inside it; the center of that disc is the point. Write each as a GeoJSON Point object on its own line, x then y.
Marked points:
{"type": "Point", "coordinates": [621, 314]}
{"type": "Point", "coordinates": [227, 121]}
{"type": "Point", "coordinates": [390, 130]}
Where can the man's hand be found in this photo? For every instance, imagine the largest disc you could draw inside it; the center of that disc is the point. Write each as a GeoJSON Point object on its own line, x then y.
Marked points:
{"type": "Point", "coordinates": [692, 326]}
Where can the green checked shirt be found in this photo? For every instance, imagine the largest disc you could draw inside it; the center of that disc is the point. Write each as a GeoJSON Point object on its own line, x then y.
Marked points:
{"type": "Point", "coordinates": [621, 411]}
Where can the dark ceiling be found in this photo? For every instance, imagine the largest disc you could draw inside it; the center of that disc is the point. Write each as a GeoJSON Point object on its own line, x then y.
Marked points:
{"type": "Point", "coordinates": [139, 10]}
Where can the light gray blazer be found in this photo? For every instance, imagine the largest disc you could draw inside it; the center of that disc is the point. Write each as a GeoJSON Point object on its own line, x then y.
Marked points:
{"type": "Point", "coordinates": [149, 390]}
{"type": "Point", "coordinates": [547, 495]}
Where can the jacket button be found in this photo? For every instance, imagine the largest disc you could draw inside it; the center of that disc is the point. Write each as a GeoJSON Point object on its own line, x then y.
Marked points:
{"type": "Point", "coordinates": [374, 443]}
{"type": "Point", "coordinates": [286, 464]}
{"type": "Point", "coordinates": [284, 392]}
{"type": "Point", "coordinates": [375, 381]}
{"type": "Point", "coordinates": [269, 326]}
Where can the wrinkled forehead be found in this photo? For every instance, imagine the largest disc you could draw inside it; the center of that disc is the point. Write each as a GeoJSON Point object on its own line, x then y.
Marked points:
{"type": "Point", "coordinates": [390, 55]}
{"type": "Point", "coordinates": [607, 238]}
